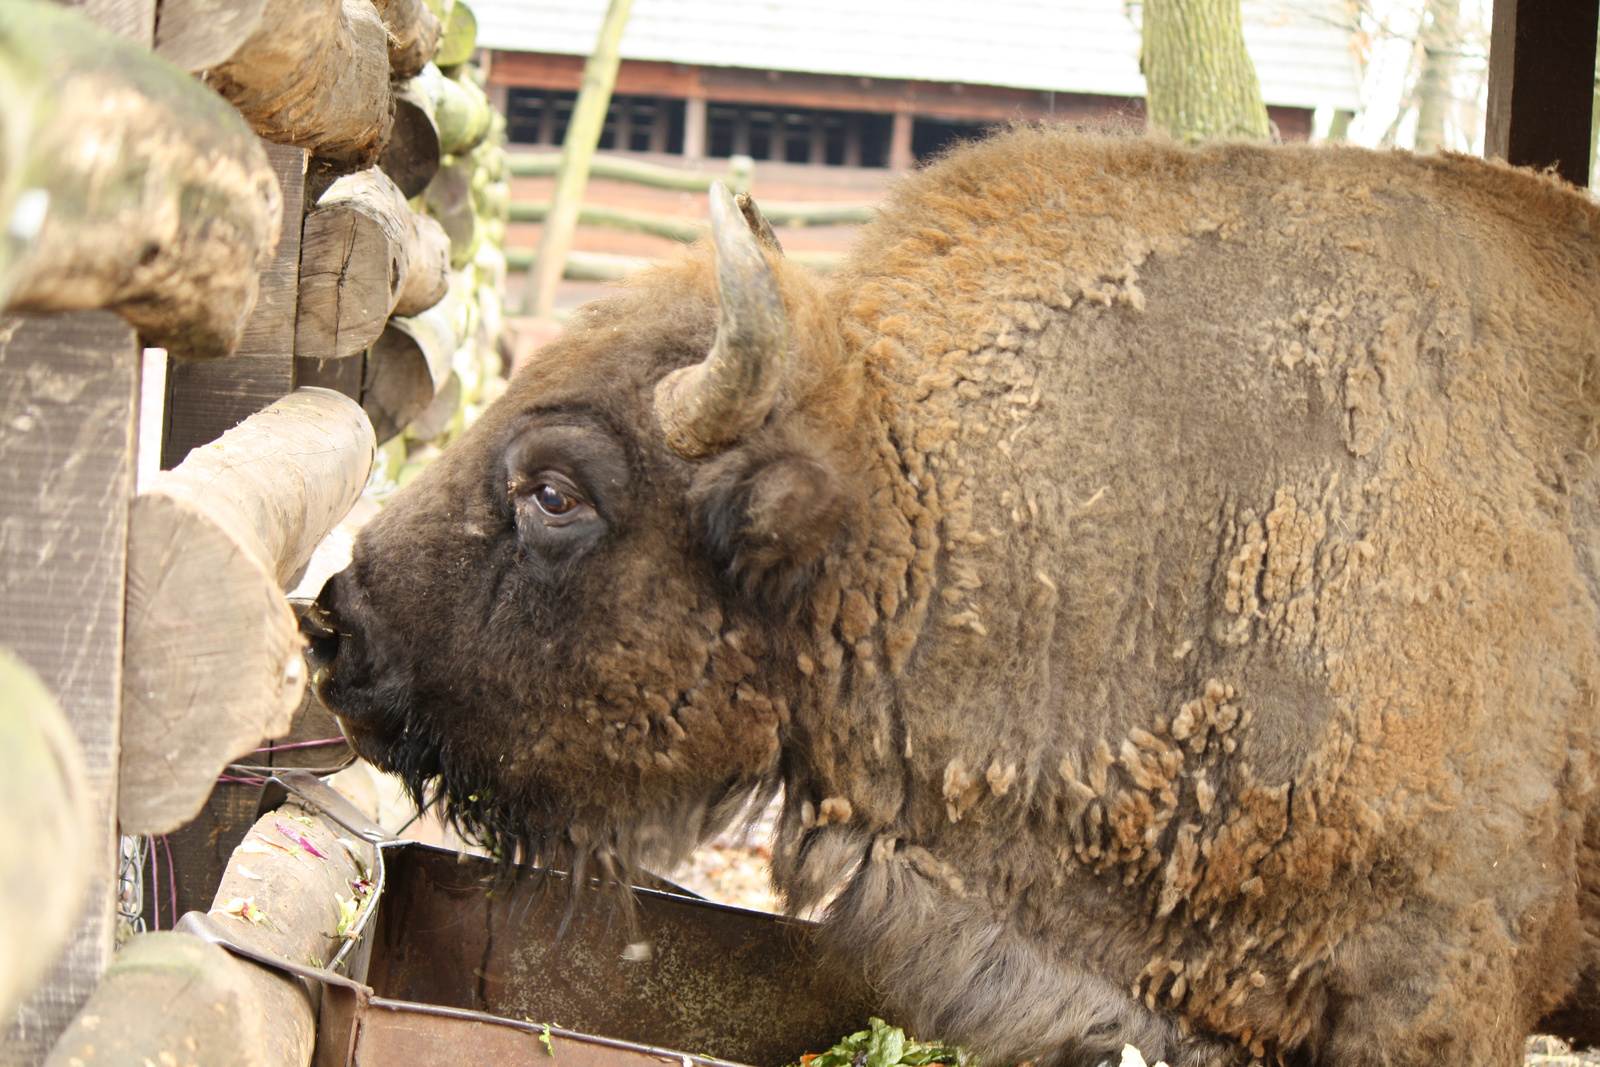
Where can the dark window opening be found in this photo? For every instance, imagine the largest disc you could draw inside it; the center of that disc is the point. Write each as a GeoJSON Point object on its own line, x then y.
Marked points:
{"type": "Point", "coordinates": [929, 137]}
{"type": "Point", "coordinates": [656, 124]}
{"type": "Point", "coordinates": [633, 123]}
{"type": "Point", "coordinates": [833, 138]}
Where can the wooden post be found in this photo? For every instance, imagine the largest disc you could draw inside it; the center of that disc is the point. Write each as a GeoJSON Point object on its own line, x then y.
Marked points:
{"type": "Point", "coordinates": [583, 134]}
{"type": "Point", "coordinates": [900, 157]}
{"type": "Point", "coordinates": [204, 400]}
{"type": "Point", "coordinates": [1541, 85]}
{"type": "Point", "coordinates": [69, 402]}
{"type": "Point", "coordinates": [694, 127]}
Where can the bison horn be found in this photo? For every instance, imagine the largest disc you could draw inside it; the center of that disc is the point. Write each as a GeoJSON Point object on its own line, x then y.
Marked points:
{"type": "Point", "coordinates": [706, 407]}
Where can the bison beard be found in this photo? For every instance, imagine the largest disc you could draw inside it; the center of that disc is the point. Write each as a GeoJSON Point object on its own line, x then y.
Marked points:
{"type": "Point", "coordinates": [1160, 580]}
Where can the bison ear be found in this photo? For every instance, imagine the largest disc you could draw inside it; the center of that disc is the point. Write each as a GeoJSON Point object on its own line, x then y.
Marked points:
{"type": "Point", "coordinates": [769, 520]}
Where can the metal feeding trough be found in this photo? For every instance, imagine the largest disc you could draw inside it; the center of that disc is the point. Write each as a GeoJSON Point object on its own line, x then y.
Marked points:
{"type": "Point", "coordinates": [464, 962]}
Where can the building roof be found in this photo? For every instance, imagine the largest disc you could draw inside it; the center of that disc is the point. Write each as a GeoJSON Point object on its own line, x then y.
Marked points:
{"type": "Point", "coordinates": [1302, 51]}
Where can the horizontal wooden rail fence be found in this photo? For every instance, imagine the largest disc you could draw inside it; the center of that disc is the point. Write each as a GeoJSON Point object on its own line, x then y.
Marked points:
{"type": "Point", "coordinates": [738, 176]}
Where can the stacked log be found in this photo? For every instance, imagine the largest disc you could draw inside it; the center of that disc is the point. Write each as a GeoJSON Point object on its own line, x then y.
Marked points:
{"type": "Point", "coordinates": [138, 190]}
{"type": "Point", "coordinates": [315, 74]}
{"type": "Point", "coordinates": [212, 660]}
{"type": "Point", "coordinates": [363, 252]}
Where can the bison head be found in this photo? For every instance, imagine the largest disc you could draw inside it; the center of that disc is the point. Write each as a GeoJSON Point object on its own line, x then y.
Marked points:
{"type": "Point", "coordinates": [573, 628]}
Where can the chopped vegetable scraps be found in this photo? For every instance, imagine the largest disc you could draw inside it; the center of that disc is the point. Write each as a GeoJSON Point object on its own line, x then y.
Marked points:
{"type": "Point", "coordinates": [243, 908]}
{"type": "Point", "coordinates": [298, 839]}
{"type": "Point", "coordinates": [882, 1045]}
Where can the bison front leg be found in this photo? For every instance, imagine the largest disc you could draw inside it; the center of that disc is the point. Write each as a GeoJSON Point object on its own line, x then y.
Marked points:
{"type": "Point", "coordinates": [1462, 985]}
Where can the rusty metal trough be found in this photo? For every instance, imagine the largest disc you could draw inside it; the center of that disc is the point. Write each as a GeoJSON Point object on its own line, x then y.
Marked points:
{"type": "Point", "coordinates": [463, 962]}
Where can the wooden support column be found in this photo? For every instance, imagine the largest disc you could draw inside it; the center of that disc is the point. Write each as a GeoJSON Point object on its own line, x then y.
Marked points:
{"type": "Point", "coordinates": [1541, 84]}
{"type": "Point", "coordinates": [206, 400]}
{"type": "Point", "coordinates": [900, 157]}
{"type": "Point", "coordinates": [658, 127]}
{"type": "Point", "coordinates": [69, 404]}
{"type": "Point", "coordinates": [694, 127]}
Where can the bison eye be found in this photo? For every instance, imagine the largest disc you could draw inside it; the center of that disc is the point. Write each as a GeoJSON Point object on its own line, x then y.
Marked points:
{"type": "Point", "coordinates": [553, 501]}
{"type": "Point", "coordinates": [550, 502]}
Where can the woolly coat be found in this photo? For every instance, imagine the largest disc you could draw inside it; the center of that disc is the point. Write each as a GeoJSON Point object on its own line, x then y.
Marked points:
{"type": "Point", "coordinates": [1164, 592]}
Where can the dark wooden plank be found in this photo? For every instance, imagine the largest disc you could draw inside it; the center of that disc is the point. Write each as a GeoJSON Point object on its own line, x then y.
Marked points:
{"type": "Point", "coordinates": [1541, 84]}
{"type": "Point", "coordinates": [206, 400]}
{"type": "Point", "coordinates": [69, 402]}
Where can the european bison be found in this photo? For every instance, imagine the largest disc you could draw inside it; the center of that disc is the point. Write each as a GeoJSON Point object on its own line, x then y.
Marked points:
{"type": "Point", "coordinates": [1161, 582]}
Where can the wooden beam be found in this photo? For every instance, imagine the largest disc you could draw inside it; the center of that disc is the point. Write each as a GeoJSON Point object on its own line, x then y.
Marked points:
{"type": "Point", "coordinates": [69, 402]}
{"type": "Point", "coordinates": [205, 400]}
{"type": "Point", "coordinates": [1541, 85]}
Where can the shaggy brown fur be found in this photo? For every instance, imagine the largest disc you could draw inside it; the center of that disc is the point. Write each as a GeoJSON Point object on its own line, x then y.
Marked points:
{"type": "Point", "coordinates": [1165, 592]}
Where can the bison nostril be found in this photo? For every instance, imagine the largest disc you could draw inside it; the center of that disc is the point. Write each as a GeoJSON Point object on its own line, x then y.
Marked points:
{"type": "Point", "coordinates": [318, 627]}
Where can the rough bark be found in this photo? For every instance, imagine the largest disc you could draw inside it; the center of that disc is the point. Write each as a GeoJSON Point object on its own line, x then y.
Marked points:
{"type": "Point", "coordinates": [1200, 81]}
{"type": "Point", "coordinates": [316, 74]}
{"type": "Point", "coordinates": [140, 190]}
{"type": "Point", "coordinates": [196, 34]}
{"type": "Point", "coordinates": [413, 35]}
{"type": "Point", "coordinates": [1435, 92]}
{"type": "Point", "coordinates": [354, 263]}
{"type": "Point", "coordinates": [44, 828]}
{"type": "Point", "coordinates": [428, 276]}
{"type": "Point", "coordinates": [212, 651]}
{"type": "Point", "coordinates": [412, 156]}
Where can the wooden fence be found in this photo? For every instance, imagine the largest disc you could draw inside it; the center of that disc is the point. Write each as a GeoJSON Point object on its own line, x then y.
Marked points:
{"type": "Point", "coordinates": [313, 232]}
{"type": "Point", "coordinates": [739, 177]}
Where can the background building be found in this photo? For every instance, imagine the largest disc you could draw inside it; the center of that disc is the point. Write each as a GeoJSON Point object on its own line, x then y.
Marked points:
{"type": "Point", "coordinates": [848, 84]}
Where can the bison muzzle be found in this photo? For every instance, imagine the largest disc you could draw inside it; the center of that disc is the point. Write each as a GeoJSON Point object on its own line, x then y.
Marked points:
{"type": "Point", "coordinates": [1160, 582]}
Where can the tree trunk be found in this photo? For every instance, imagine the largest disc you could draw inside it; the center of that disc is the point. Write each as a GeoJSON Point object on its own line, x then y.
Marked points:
{"type": "Point", "coordinates": [316, 75]}
{"type": "Point", "coordinates": [354, 262]}
{"type": "Point", "coordinates": [140, 191]}
{"type": "Point", "coordinates": [1435, 89]}
{"type": "Point", "coordinates": [1200, 82]}
{"type": "Point", "coordinates": [583, 135]}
